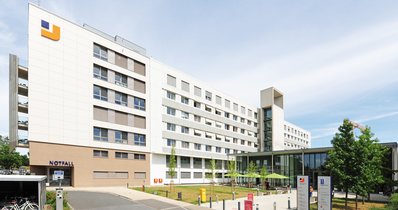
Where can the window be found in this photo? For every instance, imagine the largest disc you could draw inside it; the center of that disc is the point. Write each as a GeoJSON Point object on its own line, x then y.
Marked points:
{"type": "Point", "coordinates": [242, 120]}
{"type": "Point", "coordinates": [197, 162]}
{"type": "Point", "coordinates": [196, 104]}
{"type": "Point", "coordinates": [218, 149]}
{"type": "Point", "coordinates": [100, 93]}
{"type": "Point", "coordinates": [234, 117]}
{"type": "Point", "coordinates": [197, 133]}
{"type": "Point", "coordinates": [171, 80]}
{"type": "Point", "coordinates": [171, 127]}
{"type": "Point", "coordinates": [255, 115]}
{"type": "Point", "coordinates": [242, 142]}
{"type": "Point", "coordinates": [197, 146]}
{"type": "Point", "coordinates": [197, 175]}
{"type": "Point", "coordinates": [185, 162]}
{"type": "Point", "coordinates": [171, 111]}
{"type": "Point", "coordinates": [196, 118]}
{"type": "Point", "coordinates": [171, 142]}
{"type": "Point", "coordinates": [227, 103]}
{"type": "Point", "coordinates": [120, 98]}
{"type": "Point", "coordinates": [208, 96]}
{"type": "Point", "coordinates": [185, 175]}
{"type": "Point", "coordinates": [100, 52]}
{"type": "Point", "coordinates": [207, 135]}
{"type": "Point", "coordinates": [242, 131]}
{"type": "Point", "coordinates": [185, 86]}
{"type": "Point", "coordinates": [121, 155]}
{"type": "Point", "coordinates": [235, 129]}
{"type": "Point", "coordinates": [227, 139]}
{"type": "Point", "coordinates": [100, 153]}
{"type": "Point", "coordinates": [184, 129]}
{"type": "Point", "coordinates": [218, 112]}
{"type": "Point", "coordinates": [139, 175]}
{"type": "Point", "coordinates": [249, 122]}
{"type": "Point", "coordinates": [139, 139]}
{"type": "Point", "coordinates": [184, 115]}
{"type": "Point", "coordinates": [236, 107]}
{"type": "Point", "coordinates": [208, 148]}
{"type": "Point", "coordinates": [218, 100]}
{"type": "Point", "coordinates": [208, 109]}
{"type": "Point", "coordinates": [185, 145]}
{"type": "Point", "coordinates": [226, 114]}
{"type": "Point", "coordinates": [235, 140]}
{"type": "Point", "coordinates": [100, 134]}
{"type": "Point", "coordinates": [218, 125]}
{"type": "Point", "coordinates": [184, 100]}
{"type": "Point", "coordinates": [120, 79]}
{"type": "Point", "coordinates": [249, 112]}
{"type": "Point", "coordinates": [110, 175]}
{"type": "Point", "coordinates": [121, 137]}
{"type": "Point", "coordinates": [197, 91]}
{"type": "Point", "coordinates": [218, 137]}
{"type": "Point", "coordinates": [139, 103]}
{"type": "Point", "coordinates": [100, 73]}
{"type": "Point", "coordinates": [139, 156]}
{"type": "Point", "coordinates": [171, 95]}
{"type": "Point", "coordinates": [243, 110]}
{"type": "Point", "coordinates": [227, 151]}
{"type": "Point", "coordinates": [226, 127]}
{"type": "Point", "coordinates": [208, 123]}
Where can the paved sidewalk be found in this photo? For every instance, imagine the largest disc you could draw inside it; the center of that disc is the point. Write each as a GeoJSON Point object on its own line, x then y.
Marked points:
{"type": "Point", "coordinates": [146, 199]}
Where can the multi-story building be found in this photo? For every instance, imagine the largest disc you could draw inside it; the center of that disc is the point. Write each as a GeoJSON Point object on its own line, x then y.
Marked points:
{"type": "Point", "coordinates": [96, 107]}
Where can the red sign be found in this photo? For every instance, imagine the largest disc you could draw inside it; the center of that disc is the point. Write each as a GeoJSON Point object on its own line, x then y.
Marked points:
{"type": "Point", "coordinates": [248, 205]}
{"type": "Point", "coordinates": [160, 180]}
{"type": "Point", "coordinates": [250, 196]}
{"type": "Point", "coordinates": [155, 180]}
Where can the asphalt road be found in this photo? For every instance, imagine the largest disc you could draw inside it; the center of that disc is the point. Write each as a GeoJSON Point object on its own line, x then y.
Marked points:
{"type": "Point", "coordinates": [105, 201]}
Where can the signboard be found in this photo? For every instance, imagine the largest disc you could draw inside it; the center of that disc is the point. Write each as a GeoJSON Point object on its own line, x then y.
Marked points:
{"type": "Point", "coordinates": [248, 205]}
{"type": "Point", "coordinates": [58, 175]}
{"type": "Point", "coordinates": [60, 163]}
{"type": "Point", "coordinates": [303, 187]}
{"type": "Point", "coordinates": [250, 196]}
{"type": "Point", "coordinates": [324, 193]}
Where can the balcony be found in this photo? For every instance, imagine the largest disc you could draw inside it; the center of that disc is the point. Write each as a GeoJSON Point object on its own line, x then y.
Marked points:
{"type": "Point", "coordinates": [23, 104]}
{"type": "Point", "coordinates": [23, 122]}
{"type": "Point", "coordinates": [23, 87]}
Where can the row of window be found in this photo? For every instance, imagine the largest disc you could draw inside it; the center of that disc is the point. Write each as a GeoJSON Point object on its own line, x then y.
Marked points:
{"type": "Point", "coordinates": [118, 59]}
{"type": "Point", "coordinates": [172, 96]}
{"type": "Point", "coordinates": [119, 155]}
{"type": "Point", "coordinates": [117, 117]}
{"type": "Point", "coordinates": [196, 175]}
{"type": "Point", "coordinates": [197, 163]}
{"type": "Point", "coordinates": [291, 145]}
{"type": "Point", "coordinates": [117, 175]}
{"type": "Point", "coordinates": [296, 132]}
{"type": "Point", "coordinates": [287, 136]}
{"type": "Point", "coordinates": [102, 93]}
{"type": "Point", "coordinates": [208, 135]}
{"type": "Point", "coordinates": [186, 115]}
{"type": "Point", "coordinates": [185, 86]}
{"type": "Point", "coordinates": [121, 137]}
{"type": "Point", "coordinates": [207, 148]}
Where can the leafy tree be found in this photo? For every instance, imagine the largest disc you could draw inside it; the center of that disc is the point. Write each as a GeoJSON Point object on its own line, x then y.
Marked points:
{"type": "Point", "coordinates": [212, 175]}
{"type": "Point", "coordinates": [340, 161]}
{"type": "Point", "coordinates": [263, 174]}
{"type": "Point", "coordinates": [368, 158]}
{"type": "Point", "coordinates": [9, 159]}
{"type": "Point", "coordinates": [24, 160]}
{"type": "Point", "coordinates": [252, 173]}
{"type": "Point", "coordinates": [172, 167]}
{"type": "Point", "coordinates": [4, 140]}
{"type": "Point", "coordinates": [232, 173]}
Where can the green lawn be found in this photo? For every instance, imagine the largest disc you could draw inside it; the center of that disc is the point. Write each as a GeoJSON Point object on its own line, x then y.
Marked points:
{"type": "Point", "coordinates": [190, 193]}
{"type": "Point", "coordinates": [338, 204]}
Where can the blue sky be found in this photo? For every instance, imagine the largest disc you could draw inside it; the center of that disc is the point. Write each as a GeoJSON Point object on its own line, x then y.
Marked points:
{"type": "Point", "coordinates": [332, 59]}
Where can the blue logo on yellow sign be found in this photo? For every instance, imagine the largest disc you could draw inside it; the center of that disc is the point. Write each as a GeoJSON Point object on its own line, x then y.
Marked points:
{"type": "Point", "coordinates": [53, 34]}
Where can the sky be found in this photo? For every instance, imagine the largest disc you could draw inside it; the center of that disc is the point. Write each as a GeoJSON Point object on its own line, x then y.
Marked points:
{"type": "Point", "coordinates": [331, 59]}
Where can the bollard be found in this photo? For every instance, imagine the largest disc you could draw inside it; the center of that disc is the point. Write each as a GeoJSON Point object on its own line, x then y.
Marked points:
{"type": "Point", "coordinates": [223, 204]}
{"type": "Point", "coordinates": [199, 200]}
{"type": "Point", "coordinates": [256, 206]}
{"type": "Point", "coordinates": [127, 185]}
{"type": "Point", "coordinates": [288, 202]}
{"type": "Point", "coordinates": [211, 203]}
{"type": "Point", "coordinates": [167, 193]}
{"type": "Point", "coordinates": [179, 195]}
{"type": "Point", "coordinates": [238, 205]}
{"type": "Point", "coordinates": [143, 188]}
{"type": "Point", "coordinates": [258, 192]}
{"type": "Point", "coordinates": [274, 205]}
{"type": "Point", "coordinates": [233, 195]}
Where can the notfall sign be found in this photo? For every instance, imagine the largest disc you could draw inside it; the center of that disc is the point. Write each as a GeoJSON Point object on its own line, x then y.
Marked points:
{"type": "Point", "coordinates": [60, 163]}
{"type": "Point", "coordinates": [303, 187]}
{"type": "Point", "coordinates": [324, 193]}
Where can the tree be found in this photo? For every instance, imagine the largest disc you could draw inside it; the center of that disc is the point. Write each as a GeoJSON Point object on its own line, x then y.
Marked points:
{"type": "Point", "coordinates": [368, 157]}
{"type": "Point", "coordinates": [263, 174]}
{"type": "Point", "coordinates": [9, 159]}
{"type": "Point", "coordinates": [172, 167]}
{"type": "Point", "coordinates": [340, 161]}
{"type": "Point", "coordinates": [212, 175]}
{"type": "Point", "coordinates": [232, 173]}
{"type": "Point", "coordinates": [4, 140]}
{"type": "Point", "coordinates": [251, 173]}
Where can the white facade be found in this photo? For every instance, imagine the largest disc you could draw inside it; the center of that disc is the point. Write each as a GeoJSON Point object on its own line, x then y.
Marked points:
{"type": "Point", "coordinates": [84, 88]}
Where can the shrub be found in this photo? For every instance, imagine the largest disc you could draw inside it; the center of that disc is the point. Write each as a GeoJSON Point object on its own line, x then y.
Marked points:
{"type": "Point", "coordinates": [393, 201]}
